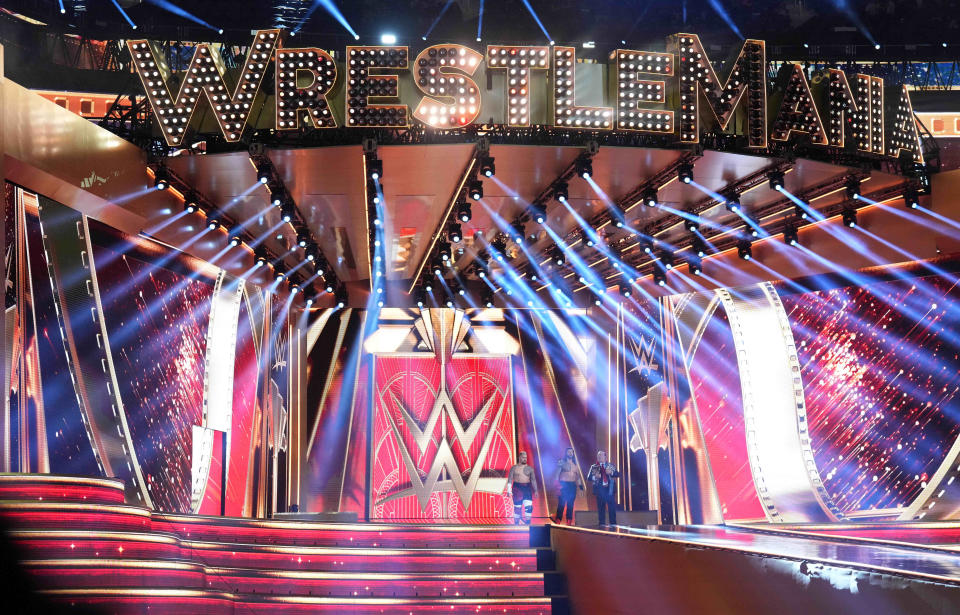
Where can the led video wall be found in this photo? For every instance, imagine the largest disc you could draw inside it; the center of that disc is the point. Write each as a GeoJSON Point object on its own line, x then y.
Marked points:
{"type": "Point", "coordinates": [109, 339]}
{"type": "Point", "coordinates": [879, 361]}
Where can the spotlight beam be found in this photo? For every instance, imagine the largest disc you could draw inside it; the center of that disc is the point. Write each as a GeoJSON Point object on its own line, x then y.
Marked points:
{"type": "Point", "coordinates": [720, 10]}
{"type": "Point", "coordinates": [844, 7]}
{"type": "Point", "coordinates": [440, 15]}
{"type": "Point", "coordinates": [479, 20]}
{"type": "Point", "coordinates": [124, 13]}
{"type": "Point", "coordinates": [334, 12]}
{"type": "Point", "coordinates": [533, 14]}
{"type": "Point", "coordinates": [176, 10]}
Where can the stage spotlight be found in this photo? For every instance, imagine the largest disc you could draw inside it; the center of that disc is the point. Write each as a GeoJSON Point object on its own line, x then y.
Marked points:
{"type": "Point", "coordinates": [341, 296]}
{"type": "Point", "coordinates": [853, 188]}
{"type": "Point", "coordinates": [560, 260]}
{"type": "Point", "coordinates": [584, 167]}
{"type": "Point", "coordinates": [375, 168]}
{"type": "Point", "coordinates": [309, 295]}
{"type": "Point", "coordinates": [276, 196]}
{"type": "Point", "coordinates": [646, 245]}
{"type": "Point", "coordinates": [561, 191]}
{"type": "Point", "coordinates": [751, 230]}
{"type": "Point", "coordinates": [699, 246]}
{"type": "Point", "coordinates": [287, 211]}
{"type": "Point", "coordinates": [161, 180]}
{"type": "Point", "coordinates": [428, 287]}
{"type": "Point", "coordinates": [666, 259]}
{"type": "Point", "coordinates": [487, 166]}
{"type": "Point", "coordinates": [499, 246]}
{"type": "Point", "coordinates": [303, 237]}
{"type": "Point", "coordinates": [328, 287]}
{"type": "Point", "coordinates": [650, 197]}
{"type": "Point", "coordinates": [375, 194]}
{"type": "Point", "coordinates": [213, 221]}
{"type": "Point", "coordinates": [732, 202]}
{"type": "Point", "coordinates": [388, 39]}
{"type": "Point", "coordinates": [443, 250]}
{"type": "Point", "coordinates": [464, 214]}
{"type": "Point", "coordinates": [790, 235]}
{"type": "Point", "coordinates": [519, 228]}
{"type": "Point", "coordinates": [263, 174]}
{"type": "Point", "coordinates": [659, 277]}
{"type": "Point", "coordinates": [589, 242]}
{"type": "Point", "coordinates": [685, 173]}
{"type": "Point", "coordinates": [800, 211]}
{"type": "Point", "coordinates": [538, 212]}
{"type": "Point", "coordinates": [190, 203]}
{"type": "Point", "coordinates": [294, 286]}
{"type": "Point", "coordinates": [911, 198]}
{"type": "Point", "coordinates": [849, 217]}
{"type": "Point", "coordinates": [279, 273]}
{"type": "Point", "coordinates": [475, 189]}
{"type": "Point", "coordinates": [744, 249]}
{"type": "Point", "coordinates": [691, 225]}
{"type": "Point", "coordinates": [310, 252]}
{"type": "Point", "coordinates": [420, 297]}
{"type": "Point", "coordinates": [260, 257]}
{"type": "Point", "coordinates": [454, 232]}
{"type": "Point", "coordinates": [488, 299]}
{"type": "Point", "coordinates": [235, 241]}
{"type": "Point", "coordinates": [438, 267]}
{"type": "Point", "coordinates": [695, 265]}
{"type": "Point", "coordinates": [776, 180]}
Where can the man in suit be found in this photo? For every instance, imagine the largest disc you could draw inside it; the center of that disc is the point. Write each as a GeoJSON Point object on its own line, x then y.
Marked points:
{"type": "Point", "coordinates": [603, 475]}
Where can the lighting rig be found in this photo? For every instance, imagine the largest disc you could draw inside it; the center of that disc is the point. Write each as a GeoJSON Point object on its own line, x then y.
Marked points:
{"type": "Point", "coordinates": [701, 239]}
{"type": "Point", "coordinates": [280, 198]}
{"type": "Point", "coordinates": [373, 188]}
{"type": "Point", "coordinates": [558, 190]}
{"type": "Point", "coordinates": [459, 212]}
{"type": "Point", "coordinates": [645, 195]}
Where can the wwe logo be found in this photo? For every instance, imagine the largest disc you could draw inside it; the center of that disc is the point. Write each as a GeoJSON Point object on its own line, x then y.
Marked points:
{"type": "Point", "coordinates": [444, 461]}
{"type": "Point", "coordinates": [88, 182]}
{"type": "Point", "coordinates": [642, 352]}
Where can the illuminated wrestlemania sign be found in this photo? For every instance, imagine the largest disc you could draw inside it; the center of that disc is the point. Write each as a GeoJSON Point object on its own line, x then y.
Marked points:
{"type": "Point", "coordinates": [677, 92]}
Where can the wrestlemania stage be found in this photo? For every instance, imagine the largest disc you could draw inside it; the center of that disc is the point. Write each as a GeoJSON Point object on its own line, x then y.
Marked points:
{"type": "Point", "coordinates": [280, 352]}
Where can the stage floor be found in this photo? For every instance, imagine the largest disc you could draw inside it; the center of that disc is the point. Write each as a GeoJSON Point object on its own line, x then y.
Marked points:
{"type": "Point", "coordinates": [937, 562]}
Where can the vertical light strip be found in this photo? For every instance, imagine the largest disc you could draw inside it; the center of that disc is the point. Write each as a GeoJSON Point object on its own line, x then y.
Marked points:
{"type": "Point", "coordinates": [218, 373]}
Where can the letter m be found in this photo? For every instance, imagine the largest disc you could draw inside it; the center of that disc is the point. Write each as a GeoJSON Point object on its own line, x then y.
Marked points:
{"type": "Point", "coordinates": [746, 83]}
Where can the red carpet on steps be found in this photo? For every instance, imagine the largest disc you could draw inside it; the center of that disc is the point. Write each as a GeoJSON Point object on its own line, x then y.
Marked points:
{"type": "Point", "coordinates": [81, 546]}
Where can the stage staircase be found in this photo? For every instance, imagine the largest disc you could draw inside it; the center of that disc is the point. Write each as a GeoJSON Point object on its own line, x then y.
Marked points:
{"type": "Point", "coordinates": [82, 546]}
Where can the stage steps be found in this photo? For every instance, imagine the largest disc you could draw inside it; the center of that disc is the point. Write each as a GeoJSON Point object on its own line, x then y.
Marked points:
{"type": "Point", "coordinates": [90, 550]}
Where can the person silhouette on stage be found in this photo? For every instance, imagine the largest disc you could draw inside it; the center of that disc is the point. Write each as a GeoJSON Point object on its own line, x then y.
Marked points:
{"type": "Point", "coordinates": [522, 485]}
{"type": "Point", "coordinates": [568, 477]}
{"type": "Point", "coordinates": [602, 475]}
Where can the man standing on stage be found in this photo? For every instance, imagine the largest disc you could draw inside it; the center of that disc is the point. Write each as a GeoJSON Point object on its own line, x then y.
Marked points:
{"type": "Point", "coordinates": [602, 475]}
{"type": "Point", "coordinates": [569, 479]}
{"type": "Point", "coordinates": [522, 485]}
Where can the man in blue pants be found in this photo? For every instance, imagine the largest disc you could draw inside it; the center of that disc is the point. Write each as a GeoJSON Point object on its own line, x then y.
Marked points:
{"type": "Point", "coordinates": [603, 475]}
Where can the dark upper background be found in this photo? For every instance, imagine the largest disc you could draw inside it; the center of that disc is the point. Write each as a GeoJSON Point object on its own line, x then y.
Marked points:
{"type": "Point", "coordinates": [568, 21]}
